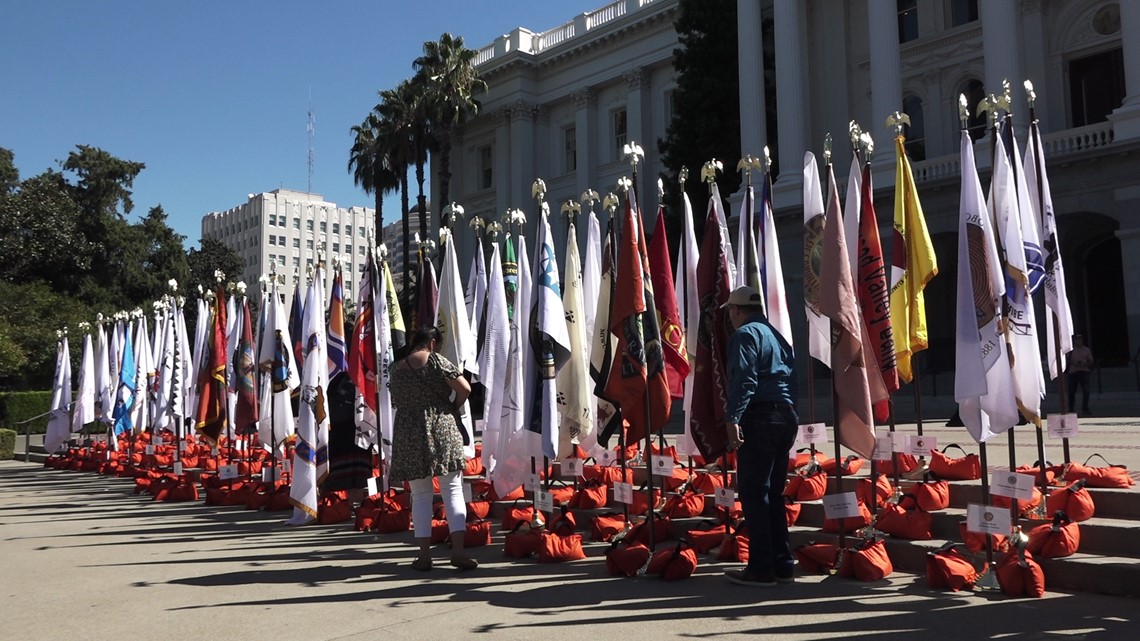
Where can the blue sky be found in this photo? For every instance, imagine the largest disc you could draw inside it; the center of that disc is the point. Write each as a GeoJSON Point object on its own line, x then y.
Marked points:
{"type": "Point", "coordinates": [213, 95]}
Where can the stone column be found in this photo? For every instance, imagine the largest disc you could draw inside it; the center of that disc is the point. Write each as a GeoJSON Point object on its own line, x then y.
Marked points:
{"type": "Point", "coordinates": [886, 71]}
{"type": "Point", "coordinates": [638, 130]}
{"type": "Point", "coordinates": [1126, 118]}
{"type": "Point", "coordinates": [1035, 38]}
{"type": "Point", "coordinates": [750, 58]}
{"type": "Point", "coordinates": [791, 89]}
{"type": "Point", "coordinates": [1001, 44]}
{"type": "Point", "coordinates": [585, 127]}
{"type": "Point", "coordinates": [521, 162]}
{"type": "Point", "coordinates": [1130, 254]}
{"type": "Point", "coordinates": [501, 157]}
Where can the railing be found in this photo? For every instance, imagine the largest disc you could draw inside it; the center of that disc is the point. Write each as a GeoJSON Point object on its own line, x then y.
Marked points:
{"type": "Point", "coordinates": [485, 54]}
{"type": "Point", "coordinates": [555, 36]}
{"type": "Point", "coordinates": [1078, 139]}
{"type": "Point", "coordinates": [27, 423]}
{"type": "Point", "coordinates": [599, 17]}
{"type": "Point", "coordinates": [937, 168]}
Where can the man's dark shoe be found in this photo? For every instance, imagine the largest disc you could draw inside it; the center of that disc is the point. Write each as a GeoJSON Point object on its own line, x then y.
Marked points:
{"type": "Point", "coordinates": [741, 576]}
{"type": "Point", "coordinates": [786, 576]}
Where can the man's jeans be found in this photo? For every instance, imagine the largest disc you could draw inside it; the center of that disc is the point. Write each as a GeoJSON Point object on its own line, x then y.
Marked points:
{"type": "Point", "coordinates": [769, 431]}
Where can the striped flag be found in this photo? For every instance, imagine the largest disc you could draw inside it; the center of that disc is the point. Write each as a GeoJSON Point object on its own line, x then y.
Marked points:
{"type": "Point", "coordinates": [336, 346]}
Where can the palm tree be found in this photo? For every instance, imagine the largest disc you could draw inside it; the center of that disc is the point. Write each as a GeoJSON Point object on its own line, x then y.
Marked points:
{"type": "Point", "coordinates": [447, 69]}
{"type": "Point", "coordinates": [370, 162]}
{"type": "Point", "coordinates": [397, 121]}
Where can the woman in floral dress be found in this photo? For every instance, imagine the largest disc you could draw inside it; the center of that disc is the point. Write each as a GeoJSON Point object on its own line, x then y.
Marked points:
{"type": "Point", "coordinates": [427, 442]}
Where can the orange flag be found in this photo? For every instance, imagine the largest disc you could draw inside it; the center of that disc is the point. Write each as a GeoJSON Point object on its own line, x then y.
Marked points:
{"type": "Point", "coordinates": [668, 318]}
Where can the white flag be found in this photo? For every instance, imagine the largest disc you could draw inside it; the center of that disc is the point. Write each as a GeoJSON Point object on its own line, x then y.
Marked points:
{"type": "Point", "coordinates": [84, 409]}
{"type": "Point", "coordinates": [313, 416]}
{"type": "Point", "coordinates": [591, 289]}
{"type": "Point", "coordinates": [59, 420]}
{"type": "Point", "coordinates": [852, 210]}
{"type": "Point", "coordinates": [454, 326]}
{"type": "Point", "coordinates": [550, 340]}
{"type": "Point", "coordinates": [819, 328]}
{"type": "Point", "coordinates": [276, 355]}
{"type": "Point", "coordinates": [1056, 293]}
{"type": "Point", "coordinates": [685, 289]}
{"type": "Point", "coordinates": [516, 443]}
{"type": "Point", "coordinates": [717, 205]}
{"type": "Point", "coordinates": [772, 268]}
{"type": "Point", "coordinates": [476, 299]}
{"type": "Point", "coordinates": [104, 384]}
{"type": "Point", "coordinates": [493, 364]}
{"type": "Point", "coordinates": [983, 383]}
{"type": "Point", "coordinates": [575, 400]}
{"type": "Point", "coordinates": [143, 377]}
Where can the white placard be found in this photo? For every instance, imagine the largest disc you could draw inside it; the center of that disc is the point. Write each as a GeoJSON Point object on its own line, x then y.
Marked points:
{"type": "Point", "coordinates": [608, 458]}
{"type": "Point", "coordinates": [149, 449]}
{"type": "Point", "coordinates": [898, 442]}
{"type": "Point", "coordinates": [479, 423]}
{"type": "Point", "coordinates": [571, 467]}
{"type": "Point", "coordinates": [662, 465]}
{"type": "Point", "coordinates": [268, 474]}
{"type": "Point", "coordinates": [987, 519]}
{"type": "Point", "coordinates": [921, 445]}
{"type": "Point", "coordinates": [812, 433]}
{"type": "Point", "coordinates": [227, 472]}
{"type": "Point", "coordinates": [214, 451]}
{"type": "Point", "coordinates": [1012, 485]}
{"type": "Point", "coordinates": [1063, 426]}
{"type": "Point", "coordinates": [725, 497]}
{"type": "Point", "coordinates": [108, 453]}
{"type": "Point", "coordinates": [623, 493]}
{"type": "Point", "coordinates": [531, 483]}
{"type": "Point", "coordinates": [544, 501]}
{"type": "Point", "coordinates": [372, 486]}
{"type": "Point", "coordinates": [286, 466]}
{"type": "Point", "coordinates": [467, 496]}
{"type": "Point", "coordinates": [882, 448]}
{"type": "Point", "coordinates": [178, 468]}
{"type": "Point", "coordinates": [841, 506]}
{"type": "Point", "coordinates": [239, 443]}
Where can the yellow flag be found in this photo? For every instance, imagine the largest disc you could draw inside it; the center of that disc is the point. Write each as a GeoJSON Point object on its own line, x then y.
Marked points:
{"type": "Point", "coordinates": [913, 264]}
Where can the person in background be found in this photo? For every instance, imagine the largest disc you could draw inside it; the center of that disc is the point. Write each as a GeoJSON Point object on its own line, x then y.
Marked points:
{"type": "Point", "coordinates": [1080, 364]}
{"type": "Point", "coordinates": [761, 421]}
{"type": "Point", "coordinates": [427, 441]}
{"type": "Point", "coordinates": [350, 465]}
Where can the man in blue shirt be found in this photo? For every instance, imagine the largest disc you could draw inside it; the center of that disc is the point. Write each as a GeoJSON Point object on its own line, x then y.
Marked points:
{"type": "Point", "coordinates": [761, 421]}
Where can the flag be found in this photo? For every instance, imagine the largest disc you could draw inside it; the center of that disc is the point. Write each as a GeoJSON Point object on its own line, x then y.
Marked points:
{"type": "Point", "coordinates": [183, 381]}
{"type": "Point", "coordinates": [144, 374]}
{"type": "Point", "coordinates": [1058, 324]}
{"type": "Point", "coordinates": [297, 325]}
{"type": "Point", "coordinates": [313, 411]}
{"type": "Point", "coordinates": [638, 379]}
{"type": "Point", "coordinates": [771, 267]}
{"type": "Point", "coordinates": [211, 418]}
{"type": "Point", "coordinates": [575, 402]}
{"type": "Point", "coordinates": [913, 264]}
{"type": "Point", "coordinates": [59, 418]}
{"type": "Point", "coordinates": [1019, 245]}
{"type": "Point", "coordinates": [510, 275]}
{"type": "Point", "coordinates": [874, 297]}
{"type": "Point", "coordinates": [516, 444]}
{"type": "Point", "coordinates": [493, 364]}
{"type": "Point", "coordinates": [747, 261]}
{"type": "Point", "coordinates": [668, 317]}
{"type": "Point", "coordinates": [170, 403]}
{"type": "Point", "coordinates": [125, 392]}
{"type": "Point", "coordinates": [685, 293]}
{"type": "Point", "coordinates": [591, 290]}
{"type": "Point", "coordinates": [475, 299]}
{"type": "Point", "coordinates": [197, 364]}
{"type": "Point", "coordinates": [104, 385]}
{"type": "Point", "coordinates": [389, 324]}
{"type": "Point", "coordinates": [83, 412]}
{"type": "Point", "coordinates": [710, 382]}
{"type": "Point", "coordinates": [983, 383]}
{"type": "Point", "coordinates": [427, 293]}
{"type": "Point", "coordinates": [395, 316]}
{"type": "Point", "coordinates": [362, 361]}
{"type": "Point", "coordinates": [246, 413]}
{"type": "Point", "coordinates": [458, 343]}
{"type": "Point", "coordinates": [854, 425]}
{"type": "Point", "coordinates": [852, 214]}
{"type": "Point", "coordinates": [603, 346]}
{"type": "Point", "coordinates": [336, 345]}
{"type": "Point", "coordinates": [276, 355]}
{"type": "Point", "coordinates": [819, 331]}
{"type": "Point", "coordinates": [233, 339]}
{"type": "Point", "coordinates": [550, 340]}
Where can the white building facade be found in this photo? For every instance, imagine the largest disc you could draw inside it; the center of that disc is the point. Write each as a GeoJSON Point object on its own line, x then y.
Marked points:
{"type": "Point", "coordinates": [285, 229]}
{"type": "Point", "coordinates": [561, 102]}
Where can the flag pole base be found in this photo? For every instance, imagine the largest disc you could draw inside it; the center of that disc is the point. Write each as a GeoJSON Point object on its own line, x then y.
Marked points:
{"type": "Point", "coordinates": [988, 581]}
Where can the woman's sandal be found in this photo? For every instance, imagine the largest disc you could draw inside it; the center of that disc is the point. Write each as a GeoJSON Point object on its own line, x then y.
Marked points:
{"type": "Point", "coordinates": [422, 563]}
{"type": "Point", "coordinates": [464, 563]}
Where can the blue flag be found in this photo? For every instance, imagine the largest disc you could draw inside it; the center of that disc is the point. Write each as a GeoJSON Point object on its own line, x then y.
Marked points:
{"type": "Point", "coordinates": [125, 397]}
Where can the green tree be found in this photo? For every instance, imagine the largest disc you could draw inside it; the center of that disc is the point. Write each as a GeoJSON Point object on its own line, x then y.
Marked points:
{"type": "Point", "coordinates": [29, 318]}
{"type": "Point", "coordinates": [210, 256]}
{"type": "Point", "coordinates": [397, 117]}
{"type": "Point", "coordinates": [41, 235]}
{"type": "Point", "coordinates": [447, 68]}
{"type": "Point", "coordinates": [9, 175]}
{"type": "Point", "coordinates": [370, 163]}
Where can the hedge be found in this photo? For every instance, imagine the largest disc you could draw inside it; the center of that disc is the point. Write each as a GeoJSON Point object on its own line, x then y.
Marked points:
{"type": "Point", "coordinates": [18, 406]}
{"type": "Point", "coordinates": [7, 444]}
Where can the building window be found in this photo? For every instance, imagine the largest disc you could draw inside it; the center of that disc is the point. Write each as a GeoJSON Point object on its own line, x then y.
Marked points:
{"type": "Point", "coordinates": [360, 250]}
{"type": "Point", "coordinates": [908, 20]}
{"type": "Point", "coordinates": [296, 261]}
{"type": "Point", "coordinates": [348, 249]}
{"type": "Point", "coordinates": [916, 131]}
{"type": "Point", "coordinates": [324, 227]}
{"type": "Point", "coordinates": [570, 149]}
{"type": "Point", "coordinates": [296, 223]}
{"type": "Point", "coordinates": [621, 134]}
{"type": "Point", "coordinates": [296, 243]}
{"type": "Point", "coordinates": [336, 228]}
{"type": "Point", "coordinates": [281, 241]}
{"type": "Point", "coordinates": [963, 12]}
{"type": "Point", "coordinates": [348, 231]}
{"type": "Point", "coordinates": [309, 244]}
{"type": "Point", "coordinates": [486, 167]}
{"type": "Point", "coordinates": [336, 248]}
{"type": "Point", "coordinates": [272, 239]}
{"type": "Point", "coordinates": [976, 123]}
{"type": "Point", "coordinates": [309, 225]}
{"type": "Point", "coordinates": [1096, 86]}
{"type": "Point", "coordinates": [361, 231]}
{"type": "Point", "coordinates": [670, 103]}
{"type": "Point", "coordinates": [272, 220]}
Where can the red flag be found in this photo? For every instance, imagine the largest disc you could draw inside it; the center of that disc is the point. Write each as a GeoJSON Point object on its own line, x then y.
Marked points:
{"type": "Point", "coordinates": [875, 298]}
{"type": "Point", "coordinates": [211, 415]}
{"type": "Point", "coordinates": [640, 367]}
{"type": "Point", "coordinates": [854, 425]}
{"type": "Point", "coordinates": [668, 317]}
{"type": "Point", "coordinates": [246, 412]}
{"type": "Point", "coordinates": [362, 346]}
{"type": "Point", "coordinates": [710, 381]}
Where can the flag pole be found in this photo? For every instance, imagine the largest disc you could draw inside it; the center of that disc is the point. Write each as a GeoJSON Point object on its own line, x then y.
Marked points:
{"type": "Point", "coordinates": [683, 259]}
{"type": "Point", "coordinates": [708, 175]}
